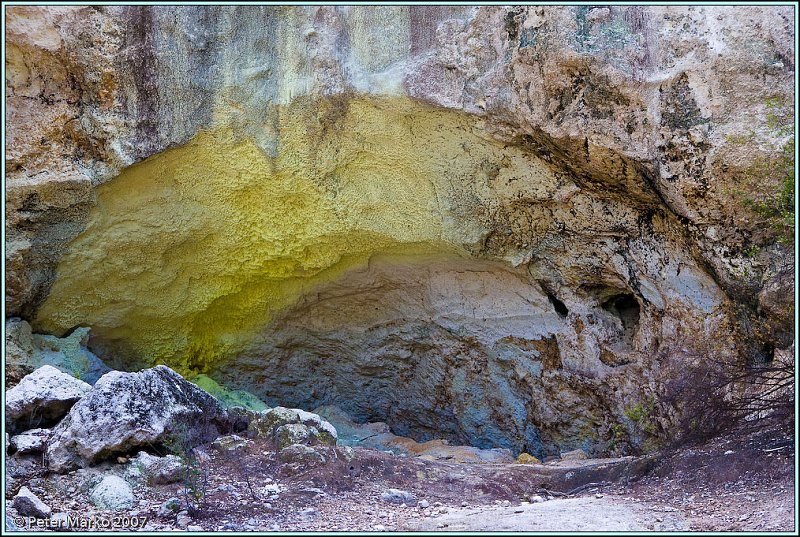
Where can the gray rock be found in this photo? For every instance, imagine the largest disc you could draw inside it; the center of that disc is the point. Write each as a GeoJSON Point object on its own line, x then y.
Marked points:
{"type": "Point", "coordinates": [126, 411]}
{"type": "Point", "coordinates": [169, 508]}
{"type": "Point", "coordinates": [70, 355]}
{"type": "Point", "coordinates": [26, 351]}
{"type": "Point", "coordinates": [28, 504]}
{"type": "Point", "coordinates": [33, 441]}
{"type": "Point", "coordinates": [20, 468]}
{"type": "Point", "coordinates": [300, 454]}
{"type": "Point", "coordinates": [42, 398]}
{"type": "Point", "coordinates": [266, 425]}
{"type": "Point", "coordinates": [574, 455]}
{"type": "Point", "coordinates": [293, 433]}
{"type": "Point", "coordinates": [158, 470]}
{"type": "Point", "coordinates": [19, 350]}
{"type": "Point", "coordinates": [230, 443]}
{"type": "Point", "coordinates": [397, 496]}
{"type": "Point", "coordinates": [112, 493]}
{"type": "Point", "coordinates": [423, 504]}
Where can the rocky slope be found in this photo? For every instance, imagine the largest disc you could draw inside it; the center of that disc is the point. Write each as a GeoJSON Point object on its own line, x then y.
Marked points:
{"type": "Point", "coordinates": [502, 226]}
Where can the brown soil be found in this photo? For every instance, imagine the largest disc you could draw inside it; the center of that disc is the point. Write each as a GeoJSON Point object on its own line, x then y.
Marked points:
{"type": "Point", "coordinates": [735, 483]}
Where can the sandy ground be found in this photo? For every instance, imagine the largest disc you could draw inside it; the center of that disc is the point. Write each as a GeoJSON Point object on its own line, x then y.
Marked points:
{"type": "Point", "coordinates": [572, 514]}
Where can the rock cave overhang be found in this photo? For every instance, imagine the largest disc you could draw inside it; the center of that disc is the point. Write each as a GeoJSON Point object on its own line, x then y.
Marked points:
{"type": "Point", "coordinates": [225, 254]}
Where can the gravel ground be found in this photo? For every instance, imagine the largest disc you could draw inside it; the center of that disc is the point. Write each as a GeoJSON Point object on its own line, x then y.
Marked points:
{"type": "Point", "coordinates": [736, 483]}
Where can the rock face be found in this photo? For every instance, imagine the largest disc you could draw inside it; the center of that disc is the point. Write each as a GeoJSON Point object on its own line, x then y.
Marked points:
{"type": "Point", "coordinates": [42, 398]}
{"type": "Point", "coordinates": [26, 351]}
{"type": "Point", "coordinates": [126, 411]}
{"type": "Point", "coordinates": [378, 436]}
{"type": "Point", "coordinates": [502, 226]}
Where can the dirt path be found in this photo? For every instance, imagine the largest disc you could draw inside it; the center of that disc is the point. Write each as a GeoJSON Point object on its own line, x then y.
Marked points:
{"type": "Point", "coordinates": [571, 514]}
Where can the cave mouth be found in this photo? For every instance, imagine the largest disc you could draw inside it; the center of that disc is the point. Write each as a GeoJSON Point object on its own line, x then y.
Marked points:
{"type": "Point", "coordinates": [222, 258]}
{"type": "Point", "coordinates": [626, 308]}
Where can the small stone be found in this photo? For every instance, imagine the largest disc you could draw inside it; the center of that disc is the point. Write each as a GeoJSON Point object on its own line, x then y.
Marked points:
{"type": "Point", "coordinates": [574, 455]}
{"type": "Point", "coordinates": [169, 507]}
{"type": "Point", "coordinates": [398, 497]}
{"type": "Point", "coordinates": [744, 517]}
{"type": "Point", "coordinates": [525, 458]}
{"type": "Point", "coordinates": [423, 504]}
{"type": "Point", "coordinates": [536, 499]}
{"type": "Point", "coordinates": [729, 452]}
{"type": "Point", "coordinates": [32, 441]}
{"type": "Point", "coordinates": [28, 504]}
{"type": "Point", "coordinates": [122, 460]}
{"type": "Point", "coordinates": [230, 443]}
{"type": "Point", "coordinates": [59, 520]}
{"type": "Point", "coordinates": [598, 495]}
{"type": "Point", "coordinates": [379, 527]}
{"type": "Point", "coordinates": [506, 503]}
{"type": "Point", "coordinates": [183, 521]}
{"type": "Point", "coordinates": [112, 493]}
{"type": "Point", "coordinates": [161, 470]}
{"type": "Point", "coordinates": [464, 504]}
{"type": "Point", "coordinates": [194, 528]}
{"type": "Point", "coordinates": [519, 510]}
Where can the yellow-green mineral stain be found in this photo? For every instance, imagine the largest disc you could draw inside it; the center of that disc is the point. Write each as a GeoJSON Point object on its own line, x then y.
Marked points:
{"type": "Point", "coordinates": [189, 254]}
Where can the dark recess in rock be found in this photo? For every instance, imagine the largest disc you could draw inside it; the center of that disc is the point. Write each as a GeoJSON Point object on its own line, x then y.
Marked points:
{"type": "Point", "coordinates": [559, 306]}
{"type": "Point", "coordinates": [626, 308]}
